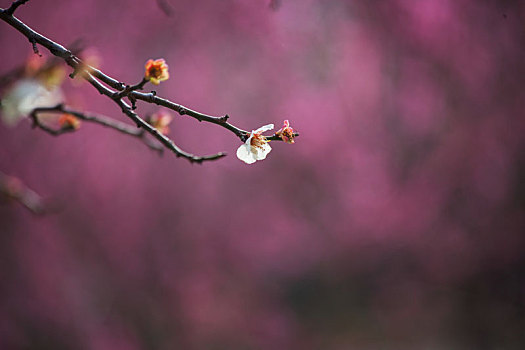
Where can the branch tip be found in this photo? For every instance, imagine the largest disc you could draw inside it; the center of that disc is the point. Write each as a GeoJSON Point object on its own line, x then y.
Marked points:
{"type": "Point", "coordinates": [35, 48]}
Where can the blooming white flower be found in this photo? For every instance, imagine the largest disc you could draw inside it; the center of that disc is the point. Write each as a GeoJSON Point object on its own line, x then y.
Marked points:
{"type": "Point", "coordinates": [26, 95]}
{"type": "Point", "coordinates": [256, 146]}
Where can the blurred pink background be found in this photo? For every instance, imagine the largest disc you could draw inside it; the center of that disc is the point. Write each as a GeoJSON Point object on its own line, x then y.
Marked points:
{"type": "Point", "coordinates": [396, 221]}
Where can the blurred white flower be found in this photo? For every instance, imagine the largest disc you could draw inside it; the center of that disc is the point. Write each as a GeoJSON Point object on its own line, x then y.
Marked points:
{"type": "Point", "coordinates": [256, 146]}
{"type": "Point", "coordinates": [26, 95]}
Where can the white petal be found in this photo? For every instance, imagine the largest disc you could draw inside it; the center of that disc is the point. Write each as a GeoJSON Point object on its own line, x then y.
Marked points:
{"type": "Point", "coordinates": [249, 140]}
{"type": "Point", "coordinates": [25, 96]}
{"type": "Point", "coordinates": [244, 153]}
{"type": "Point", "coordinates": [262, 151]}
{"type": "Point", "coordinates": [263, 129]}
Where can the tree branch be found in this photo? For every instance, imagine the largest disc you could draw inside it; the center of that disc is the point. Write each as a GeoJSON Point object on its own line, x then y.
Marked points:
{"type": "Point", "coordinates": [11, 10]}
{"type": "Point", "coordinates": [19, 72]}
{"type": "Point", "coordinates": [115, 125]}
{"type": "Point", "coordinates": [116, 90]}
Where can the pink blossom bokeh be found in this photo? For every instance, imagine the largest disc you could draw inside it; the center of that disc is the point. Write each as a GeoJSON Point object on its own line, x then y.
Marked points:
{"type": "Point", "coordinates": [396, 220]}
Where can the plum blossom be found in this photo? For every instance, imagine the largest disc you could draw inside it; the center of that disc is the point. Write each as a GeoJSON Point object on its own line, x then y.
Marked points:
{"type": "Point", "coordinates": [256, 146]}
{"type": "Point", "coordinates": [156, 71]}
{"type": "Point", "coordinates": [160, 121]}
{"type": "Point", "coordinates": [26, 95]}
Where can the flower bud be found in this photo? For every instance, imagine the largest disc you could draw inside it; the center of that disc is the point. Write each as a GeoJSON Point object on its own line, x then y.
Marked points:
{"type": "Point", "coordinates": [286, 133]}
{"type": "Point", "coordinates": [68, 122]}
{"type": "Point", "coordinates": [156, 71]}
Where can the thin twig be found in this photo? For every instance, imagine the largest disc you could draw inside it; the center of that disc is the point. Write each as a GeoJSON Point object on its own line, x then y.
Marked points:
{"type": "Point", "coordinates": [112, 124]}
{"type": "Point", "coordinates": [19, 72]}
{"type": "Point", "coordinates": [130, 88]}
{"type": "Point", "coordinates": [221, 121]}
{"type": "Point", "coordinates": [11, 10]}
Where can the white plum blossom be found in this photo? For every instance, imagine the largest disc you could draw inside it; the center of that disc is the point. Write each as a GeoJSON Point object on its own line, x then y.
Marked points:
{"type": "Point", "coordinates": [26, 95]}
{"type": "Point", "coordinates": [256, 146]}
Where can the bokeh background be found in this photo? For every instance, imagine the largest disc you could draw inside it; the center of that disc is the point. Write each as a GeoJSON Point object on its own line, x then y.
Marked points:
{"type": "Point", "coordinates": [396, 221]}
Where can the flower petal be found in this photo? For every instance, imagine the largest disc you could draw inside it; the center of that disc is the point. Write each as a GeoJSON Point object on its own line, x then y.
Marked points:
{"type": "Point", "coordinates": [244, 153]}
{"type": "Point", "coordinates": [263, 129]}
{"type": "Point", "coordinates": [248, 141]}
{"type": "Point", "coordinates": [262, 151]}
{"type": "Point", "coordinates": [26, 95]}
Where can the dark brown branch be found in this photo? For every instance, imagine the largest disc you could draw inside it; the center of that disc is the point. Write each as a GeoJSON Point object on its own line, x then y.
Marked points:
{"type": "Point", "coordinates": [16, 73]}
{"type": "Point", "coordinates": [49, 130]}
{"type": "Point", "coordinates": [96, 78]}
{"type": "Point", "coordinates": [141, 123]}
{"type": "Point", "coordinates": [11, 10]}
{"type": "Point", "coordinates": [77, 64]}
{"type": "Point", "coordinates": [222, 121]}
{"type": "Point", "coordinates": [12, 188]}
{"type": "Point", "coordinates": [113, 124]}
{"type": "Point", "coordinates": [130, 88]}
